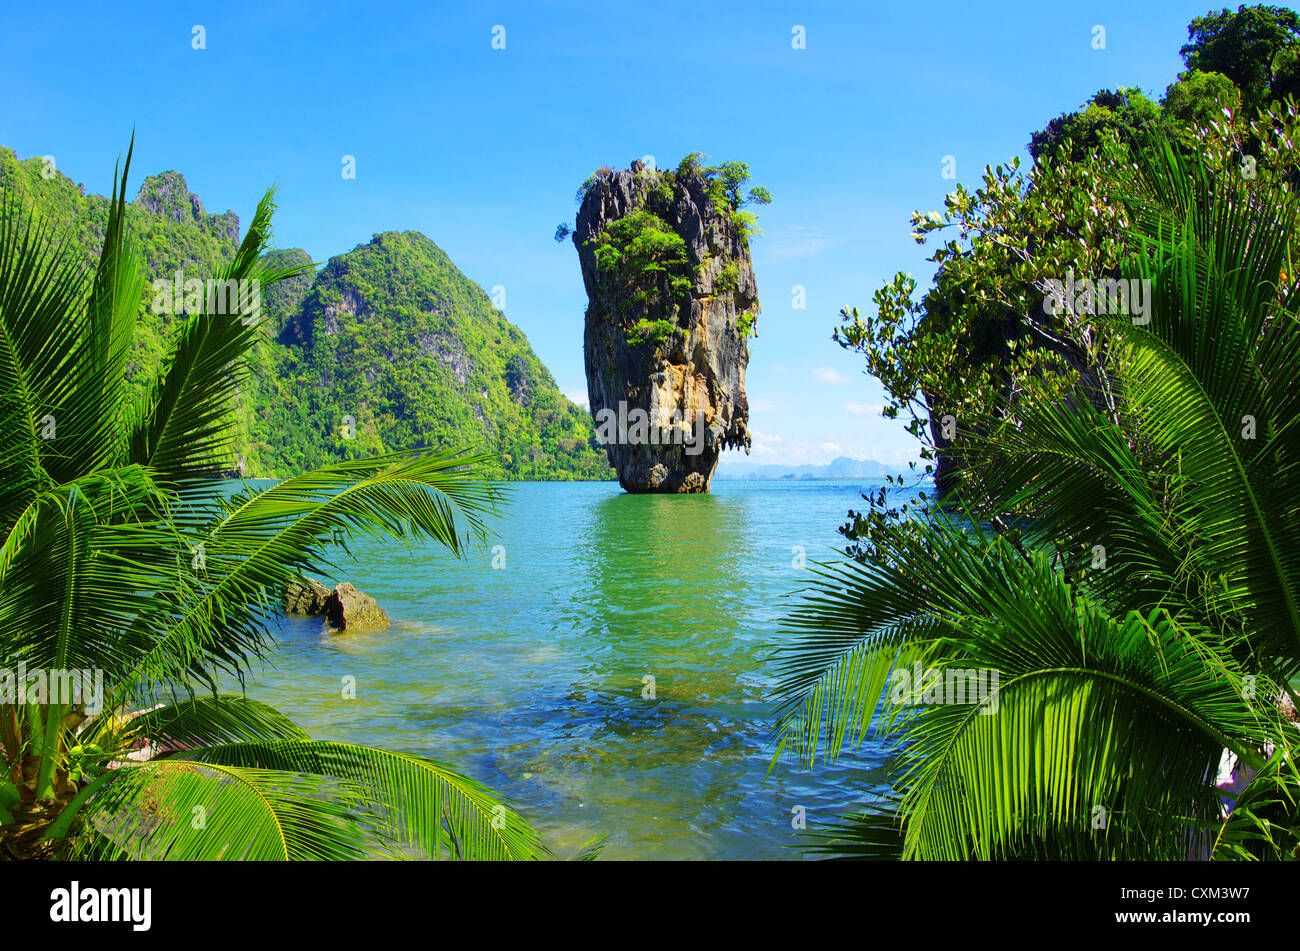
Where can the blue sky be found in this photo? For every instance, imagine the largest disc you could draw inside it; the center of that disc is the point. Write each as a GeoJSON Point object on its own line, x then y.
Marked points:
{"type": "Point", "coordinates": [482, 149]}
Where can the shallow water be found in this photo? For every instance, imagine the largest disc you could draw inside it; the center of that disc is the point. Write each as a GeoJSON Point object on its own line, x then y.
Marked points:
{"type": "Point", "coordinates": [530, 677]}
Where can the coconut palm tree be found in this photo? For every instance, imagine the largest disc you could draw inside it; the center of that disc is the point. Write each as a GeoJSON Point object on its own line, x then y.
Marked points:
{"type": "Point", "coordinates": [121, 553]}
{"type": "Point", "coordinates": [1130, 567]}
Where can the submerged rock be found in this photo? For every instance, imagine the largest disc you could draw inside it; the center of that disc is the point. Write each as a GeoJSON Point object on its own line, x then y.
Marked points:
{"type": "Point", "coordinates": [671, 303]}
{"type": "Point", "coordinates": [305, 596]}
{"type": "Point", "coordinates": [347, 609]}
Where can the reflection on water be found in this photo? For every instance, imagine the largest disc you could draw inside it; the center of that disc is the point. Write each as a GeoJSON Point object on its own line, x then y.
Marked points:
{"type": "Point", "coordinates": [532, 678]}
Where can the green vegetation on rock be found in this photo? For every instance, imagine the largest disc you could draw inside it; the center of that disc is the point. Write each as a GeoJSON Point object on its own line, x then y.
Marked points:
{"type": "Point", "coordinates": [646, 265]}
{"type": "Point", "coordinates": [637, 249]}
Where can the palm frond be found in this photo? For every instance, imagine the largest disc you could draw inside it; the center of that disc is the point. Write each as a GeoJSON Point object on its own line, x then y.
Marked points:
{"type": "Point", "coordinates": [90, 393]}
{"type": "Point", "coordinates": [182, 810]}
{"type": "Point", "coordinates": [415, 802]}
{"type": "Point", "coordinates": [42, 291]}
{"type": "Point", "coordinates": [79, 568]}
{"type": "Point", "coordinates": [198, 721]}
{"type": "Point", "coordinates": [181, 427]}
{"type": "Point", "coordinates": [263, 539]}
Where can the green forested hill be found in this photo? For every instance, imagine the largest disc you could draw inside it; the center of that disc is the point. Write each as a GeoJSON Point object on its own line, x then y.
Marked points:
{"type": "Point", "coordinates": [388, 347]}
{"type": "Point", "coordinates": [393, 347]}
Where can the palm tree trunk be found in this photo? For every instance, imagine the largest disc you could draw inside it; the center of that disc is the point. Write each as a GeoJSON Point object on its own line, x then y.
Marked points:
{"type": "Point", "coordinates": [24, 840]}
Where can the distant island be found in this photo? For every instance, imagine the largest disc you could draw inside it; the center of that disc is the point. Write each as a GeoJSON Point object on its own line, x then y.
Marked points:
{"type": "Point", "coordinates": [841, 468]}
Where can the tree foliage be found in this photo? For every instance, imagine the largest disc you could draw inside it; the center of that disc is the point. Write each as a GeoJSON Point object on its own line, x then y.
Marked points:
{"type": "Point", "coordinates": [1129, 565]}
{"type": "Point", "coordinates": [979, 336]}
{"type": "Point", "coordinates": [1256, 48]}
{"type": "Point", "coordinates": [122, 557]}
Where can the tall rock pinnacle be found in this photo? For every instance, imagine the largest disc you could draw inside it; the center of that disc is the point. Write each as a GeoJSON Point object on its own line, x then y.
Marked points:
{"type": "Point", "coordinates": [672, 302]}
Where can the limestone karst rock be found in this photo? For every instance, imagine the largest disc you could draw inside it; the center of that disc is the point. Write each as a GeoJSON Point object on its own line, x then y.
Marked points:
{"type": "Point", "coordinates": [672, 301]}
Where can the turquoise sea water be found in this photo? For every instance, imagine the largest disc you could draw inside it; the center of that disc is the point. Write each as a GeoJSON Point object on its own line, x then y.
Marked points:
{"type": "Point", "coordinates": [530, 677]}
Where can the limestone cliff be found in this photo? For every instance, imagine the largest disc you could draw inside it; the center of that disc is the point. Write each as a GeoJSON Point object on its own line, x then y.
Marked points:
{"type": "Point", "coordinates": [671, 303]}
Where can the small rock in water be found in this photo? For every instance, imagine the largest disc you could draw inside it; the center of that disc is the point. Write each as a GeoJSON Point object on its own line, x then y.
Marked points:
{"type": "Point", "coordinates": [306, 597]}
{"type": "Point", "coordinates": [347, 609]}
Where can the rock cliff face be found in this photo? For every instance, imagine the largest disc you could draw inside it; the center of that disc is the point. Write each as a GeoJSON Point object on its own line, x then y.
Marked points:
{"type": "Point", "coordinates": [671, 303]}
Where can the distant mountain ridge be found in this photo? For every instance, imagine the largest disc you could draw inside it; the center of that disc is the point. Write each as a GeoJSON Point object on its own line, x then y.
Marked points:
{"type": "Point", "coordinates": [388, 346]}
{"type": "Point", "coordinates": [841, 468]}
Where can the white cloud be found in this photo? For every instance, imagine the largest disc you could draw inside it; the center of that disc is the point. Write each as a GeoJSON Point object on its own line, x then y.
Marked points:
{"type": "Point", "coordinates": [864, 409]}
{"type": "Point", "coordinates": [827, 375]}
{"type": "Point", "coordinates": [579, 397]}
{"type": "Point", "coordinates": [799, 242]}
{"type": "Point", "coordinates": [763, 444]}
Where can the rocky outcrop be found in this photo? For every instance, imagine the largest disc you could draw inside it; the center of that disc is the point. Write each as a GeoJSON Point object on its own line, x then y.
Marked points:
{"type": "Point", "coordinates": [671, 302]}
{"type": "Point", "coordinates": [344, 609]}
{"type": "Point", "coordinates": [305, 596]}
{"type": "Point", "coordinates": [347, 609]}
{"type": "Point", "coordinates": [168, 196]}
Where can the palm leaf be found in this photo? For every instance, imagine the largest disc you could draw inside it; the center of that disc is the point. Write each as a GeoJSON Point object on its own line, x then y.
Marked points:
{"type": "Point", "coordinates": [416, 802]}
